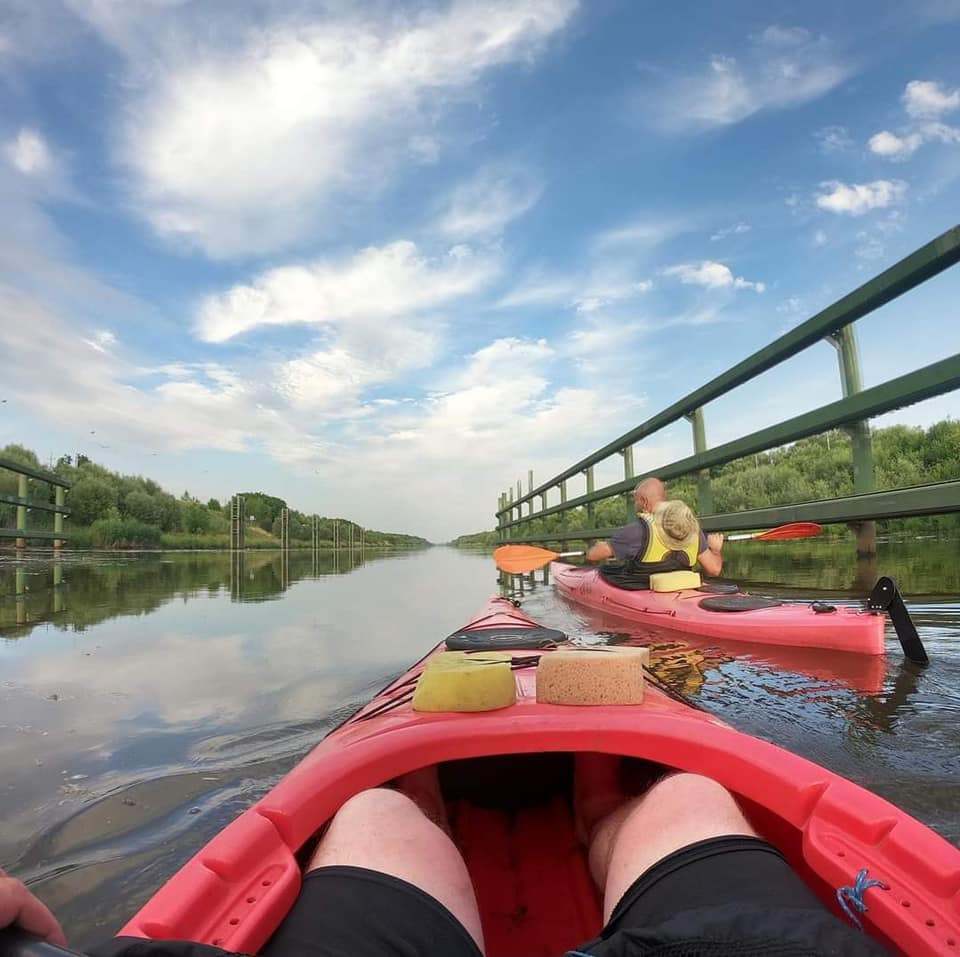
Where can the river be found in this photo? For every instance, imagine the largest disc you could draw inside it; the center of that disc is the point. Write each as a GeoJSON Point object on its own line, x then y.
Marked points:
{"type": "Point", "coordinates": [146, 699]}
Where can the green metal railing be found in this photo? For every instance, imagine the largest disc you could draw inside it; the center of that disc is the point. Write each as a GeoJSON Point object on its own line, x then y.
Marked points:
{"type": "Point", "coordinates": [25, 504]}
{"type": "Point", "coordinates": [857, 405]}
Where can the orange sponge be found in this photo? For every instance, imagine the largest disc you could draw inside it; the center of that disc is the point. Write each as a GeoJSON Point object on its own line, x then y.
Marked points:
{"type": "Point", "coordinates": [589, 676]}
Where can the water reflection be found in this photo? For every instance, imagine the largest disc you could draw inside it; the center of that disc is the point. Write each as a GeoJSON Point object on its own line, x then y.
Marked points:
{"type": "Point", "coordinates": [172, 690]}
{"type": "Point", "coordinates": [880, 721]}
{"type": "Point", "coordinates": [146, 700]}
{"type": "Point", "coordinates": [75, 591]}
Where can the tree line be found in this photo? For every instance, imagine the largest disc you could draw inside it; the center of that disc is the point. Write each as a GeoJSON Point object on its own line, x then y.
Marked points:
{"type": "Point", "coordinates": [820, 467]}
{"type": "Point", "coordinates": [109, 510]}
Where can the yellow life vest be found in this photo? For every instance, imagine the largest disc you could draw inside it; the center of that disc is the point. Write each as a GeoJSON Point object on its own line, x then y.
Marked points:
{"type": "Point", "coordinates": [658, 549]}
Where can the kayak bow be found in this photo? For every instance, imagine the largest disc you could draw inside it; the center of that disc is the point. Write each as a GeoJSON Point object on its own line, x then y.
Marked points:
{"type": "Point", "coordinates": [519, 841]}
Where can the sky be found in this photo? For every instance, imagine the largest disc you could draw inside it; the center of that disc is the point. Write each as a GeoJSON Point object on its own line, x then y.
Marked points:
{"type": "Point", "coordinates": [380, 259]}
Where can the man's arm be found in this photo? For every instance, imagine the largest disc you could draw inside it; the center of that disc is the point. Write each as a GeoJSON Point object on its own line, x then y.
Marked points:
{"type": "Point", "coordinates": [711, 558]}
{"type": "Point", "coordinates": [600, 552]}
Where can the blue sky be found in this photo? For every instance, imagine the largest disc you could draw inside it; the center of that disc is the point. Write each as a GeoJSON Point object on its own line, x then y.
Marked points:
{"type": "Point", "coordinates": [381, 258]}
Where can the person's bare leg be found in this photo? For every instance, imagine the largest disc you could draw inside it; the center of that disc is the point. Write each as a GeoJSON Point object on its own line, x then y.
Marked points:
{"type": "Point", "coordinates": [384, 830]}
{"type": "Point", "coordinates": [679, 810]}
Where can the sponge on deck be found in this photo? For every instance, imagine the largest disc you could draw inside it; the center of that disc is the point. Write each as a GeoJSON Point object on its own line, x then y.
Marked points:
{"type": "Point", "coordinates": [456, 681]}
{"type": "Point", "coordinates": [591, 676]}
{"type": "Point", "coordinates": [674, 581]}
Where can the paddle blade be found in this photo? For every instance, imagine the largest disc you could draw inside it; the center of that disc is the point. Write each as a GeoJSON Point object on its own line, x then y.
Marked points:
{"type": "Point", "coordinates": [793, 530]}
{"type": "Point", "coordinates": [519, 559]}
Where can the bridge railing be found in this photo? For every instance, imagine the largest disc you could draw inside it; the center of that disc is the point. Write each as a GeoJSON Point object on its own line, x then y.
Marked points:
{"type": "Point", "coordinates": [25, 504]}
{"type": "Point", "coordinates": [834, 324]}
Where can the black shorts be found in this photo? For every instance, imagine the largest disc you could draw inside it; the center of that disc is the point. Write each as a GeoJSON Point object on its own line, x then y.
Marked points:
{"type": "Point", "coordinates": [727, 895]}
{"type": "Point", "coordinates": [721, 897]}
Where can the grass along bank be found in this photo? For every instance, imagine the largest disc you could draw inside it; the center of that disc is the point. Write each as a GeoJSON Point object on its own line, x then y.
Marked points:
{"type": "Point", "coordinates": [110, 510]}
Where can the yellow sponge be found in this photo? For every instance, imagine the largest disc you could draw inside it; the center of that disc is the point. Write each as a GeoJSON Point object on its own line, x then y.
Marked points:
{"type": "Point", "coordinates": [455, 681]}
{"type": "Point", "coordinates": [589, 676]}
{"type": "Point", "coordinates": [674, 581]}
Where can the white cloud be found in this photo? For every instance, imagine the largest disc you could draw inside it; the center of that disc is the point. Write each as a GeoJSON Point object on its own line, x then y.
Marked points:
{"type": "Point", "coordinates": [377, 284]}
{"type": "Point", "coordinates": [859, 198]}
{"type": "Point", "coordinates": [869, 246]}
{"type": "Point", "coordinates": [711, 275]}
{"type": "Point", "coordinates": [539, 290]}
{"type": "Point", "coordinates": [592, 292]}
{"type": "Point", "coordinates": [891, 146]}
{"type": "Point", "coordinates": [485, 204]}
{"type": "Point", "coordinates": [642, 234]}
{"type": "Point", "coordinates": [242, 147]}
{"type": "Point", "coordinates": [791, 306]}
{"type": "Point", "coordinates": [924, 99]}
{"type": "Point", "coordinates": [780, 36]}
{"type": "Point", "coordinates": [833, 139]}
{"type": "Point", "coordinates": [736, 230]}
{"type": "Point", "coordinates": [101, 340]}
{"type": "Point", "coordinates": [782, 67]}
{"type": "Point", "coordinates": [925, 102]}
{"type": "Point", "coordinates": [820, 238]}
{"type": "Point", "coordinates": [28, 152]}
{"type": "Point", "coordinates": [601, 296]}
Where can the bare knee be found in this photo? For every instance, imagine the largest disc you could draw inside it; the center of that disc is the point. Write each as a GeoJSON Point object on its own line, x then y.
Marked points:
{"type": "Point", "coordinates": [366, 826]}
{"type": "Point", "coordinates": [679, 810]}
{"type": "Point", "coordinates": [373, 806]}
{"type": "Point", "coordinates": [692, 787]}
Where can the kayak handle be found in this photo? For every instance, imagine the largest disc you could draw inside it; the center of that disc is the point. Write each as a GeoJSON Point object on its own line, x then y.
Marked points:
{"type": "Point", "coordinates": [886, 597]}
{"type": "Point", "coordinates": [15, 942]}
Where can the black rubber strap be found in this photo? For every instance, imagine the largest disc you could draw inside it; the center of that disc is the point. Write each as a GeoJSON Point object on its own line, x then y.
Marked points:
{"type": "Point", "coordinates": [499, 639]}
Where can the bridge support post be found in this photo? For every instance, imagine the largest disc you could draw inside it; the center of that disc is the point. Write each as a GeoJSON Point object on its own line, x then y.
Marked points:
{"type": "Point", "coordinates": [58, 600]}
{"type": "Point", "coordinates": [848, 355]}
{"type": "Point", "coordinates": [627, 454]}
{"type": "Point", "coordinates": [588, 472]}
{"type": "Point", "coordinates": [58, 517]}
{"type": "Point", "coordinates": [704, 490]}
{"type": "Point", "coordinates": [237, 523]}
{"type": "Point", "coordinates": [21, 509]}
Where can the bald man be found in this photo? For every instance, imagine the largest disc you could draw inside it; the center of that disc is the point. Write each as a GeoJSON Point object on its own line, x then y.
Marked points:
{"type": "Point", "coordinates": [629, 544]}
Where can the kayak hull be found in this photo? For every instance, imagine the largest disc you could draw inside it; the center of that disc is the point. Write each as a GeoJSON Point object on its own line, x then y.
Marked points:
{"type": "Point", "coordinates": [789, 625]}
{"type": "Point", "coordinates": [236, 890]}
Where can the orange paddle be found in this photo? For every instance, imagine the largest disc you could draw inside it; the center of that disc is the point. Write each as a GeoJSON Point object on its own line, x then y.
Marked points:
{"type": "Point", "coordinates": [519, 559]}
{"type": "Point", "coordinates": [781, 533]}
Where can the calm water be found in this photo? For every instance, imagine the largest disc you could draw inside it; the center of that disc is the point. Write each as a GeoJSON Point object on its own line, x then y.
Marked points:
{"type": "Point", "coordinates": [146, 700]}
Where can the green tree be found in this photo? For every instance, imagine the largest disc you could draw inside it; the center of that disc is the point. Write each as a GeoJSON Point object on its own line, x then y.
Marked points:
{"type": "Point", "coordinates": [196, 518]}
{"type": "Point", "coordinates": [143, 507]}
{"type": "Point", "coordinates": [170, 512]}
{"type": "Point", "coordinates": [213, 505]}
{"type": "Point", "coordinates": [91, 499]}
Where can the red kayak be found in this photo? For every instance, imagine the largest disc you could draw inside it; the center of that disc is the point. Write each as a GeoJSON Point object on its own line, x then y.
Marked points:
{"type": "Point", "coordinates": [865, 674]}
{"type": "Point", "coordinates": [736, 617]}
{"type": "Point", "coordinates": [532, 883]}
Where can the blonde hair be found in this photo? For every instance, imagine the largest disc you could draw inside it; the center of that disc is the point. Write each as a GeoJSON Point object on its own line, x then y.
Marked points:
{"type": "Point", "coordinates": [677, 523]}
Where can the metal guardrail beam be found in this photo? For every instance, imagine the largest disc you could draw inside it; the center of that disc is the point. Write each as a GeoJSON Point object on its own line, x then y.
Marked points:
{"type": "Point", "coordinates": [936, 499]}
{"type": "Point", "coordinates": [34, 473]}
{"type": "Point", "coordinates": [940, 498]}
{"type": "Point", "coordinates": [931, 380]}
{"type": "Point", "coordinates": [933, 258]}
{"type": "Point", "coordinates": [33, 503]}
{"type": "Point", "coordinates": [33, 533]}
